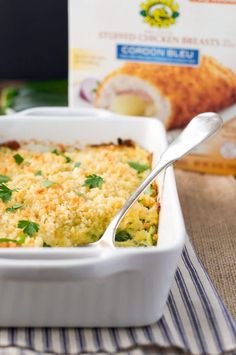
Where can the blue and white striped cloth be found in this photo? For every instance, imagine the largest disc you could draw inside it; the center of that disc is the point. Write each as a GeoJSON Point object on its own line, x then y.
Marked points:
{"type": "Point", "coordinates": [195, 321]}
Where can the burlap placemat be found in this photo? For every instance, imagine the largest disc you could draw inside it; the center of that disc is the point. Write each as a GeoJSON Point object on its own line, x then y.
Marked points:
{"type": "Point", "coordinates": [209, 208]}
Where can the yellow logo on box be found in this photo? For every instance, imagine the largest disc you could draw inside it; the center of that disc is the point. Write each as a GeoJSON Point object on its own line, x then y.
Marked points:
{"type": "Point", "coordinates": [159, 13]}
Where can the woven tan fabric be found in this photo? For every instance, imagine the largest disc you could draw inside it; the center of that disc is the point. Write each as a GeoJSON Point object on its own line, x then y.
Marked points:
{"type": "Point", "coordinates": [209, 208]}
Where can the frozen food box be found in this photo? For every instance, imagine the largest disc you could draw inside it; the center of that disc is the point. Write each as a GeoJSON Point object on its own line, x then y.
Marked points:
{"type": "Point", "coordinates": [166, 59]}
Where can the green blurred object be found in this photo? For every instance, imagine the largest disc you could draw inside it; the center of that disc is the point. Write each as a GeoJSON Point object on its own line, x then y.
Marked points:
{"type": "Point", "coordinates": [34, 94]}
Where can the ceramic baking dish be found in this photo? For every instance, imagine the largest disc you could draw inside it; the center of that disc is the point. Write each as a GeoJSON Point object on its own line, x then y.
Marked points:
{"type": "Point", "coordinates": [89, 286]}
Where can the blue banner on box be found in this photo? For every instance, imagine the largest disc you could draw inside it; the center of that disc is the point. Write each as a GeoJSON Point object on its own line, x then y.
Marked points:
{"type": "Point", "coordinates": [162, 55]}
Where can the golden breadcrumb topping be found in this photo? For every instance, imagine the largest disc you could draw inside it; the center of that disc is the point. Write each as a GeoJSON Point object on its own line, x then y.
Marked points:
{"type": "Point", "coordinates": [67, 198]}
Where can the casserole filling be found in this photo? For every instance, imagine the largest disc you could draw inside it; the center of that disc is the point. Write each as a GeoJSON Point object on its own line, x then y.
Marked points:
{"type": "Point", "coordinates": [66, 198]}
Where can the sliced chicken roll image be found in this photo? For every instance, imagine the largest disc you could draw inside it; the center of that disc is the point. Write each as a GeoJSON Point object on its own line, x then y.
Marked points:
{"type": "Point", "coordinates": [173, 94]}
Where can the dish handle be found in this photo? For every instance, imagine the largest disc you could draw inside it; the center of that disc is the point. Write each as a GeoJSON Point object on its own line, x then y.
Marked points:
{"type": "Point", "coordinates": [101, 265]}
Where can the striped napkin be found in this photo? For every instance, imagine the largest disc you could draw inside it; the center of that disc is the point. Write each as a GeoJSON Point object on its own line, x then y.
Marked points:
{"type": "Point", "coordinates": [195, 321]}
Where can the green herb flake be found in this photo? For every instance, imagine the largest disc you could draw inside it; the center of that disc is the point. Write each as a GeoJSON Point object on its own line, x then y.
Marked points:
{"type": "Point", "coordinates": [77, 164]}
{"type": "Point", "coordinates": [68, 159]}
{"type": "Point", "coordinates": [57, 152]}
{"type": "Point", "coordinates": [18, 159]}
{"type": "Point", "coordinates": [45, 245]}
{"type": "Point", "coordinates": [38, 173]}
{"type": "Point", "coordinates": [19, 241]}
{"type": "Point", "coordinates": [5, 240]}
{"type": "Point", "coordinates": [47, 183]}
{"type": "Point", "coordinates": [122, 236]}
{"type": "Point", "coordinates": [4, 178]}
{"type": "Point", "coordinates": [5, 193]}
{"type": "Point", "coordinates": [140, 168]}
{"type": "Point", "coordinates": [29, 228]}
{"type": "Point", "coordinates": [14, 207]}
{"type": "Point", "coordinates": [93, 181]}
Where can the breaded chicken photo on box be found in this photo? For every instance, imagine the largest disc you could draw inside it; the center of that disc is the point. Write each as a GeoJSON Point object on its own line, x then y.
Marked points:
{"type": "Point", "coordinates": [173, 94]}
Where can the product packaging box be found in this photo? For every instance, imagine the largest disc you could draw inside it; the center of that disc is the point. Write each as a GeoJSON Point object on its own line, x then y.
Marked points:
{"type": "Point", "coordinates": [166, 59]}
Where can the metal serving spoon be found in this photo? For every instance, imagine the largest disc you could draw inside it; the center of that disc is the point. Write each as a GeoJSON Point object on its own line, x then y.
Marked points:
{"type": "Point", "coordinates": [198, 130]}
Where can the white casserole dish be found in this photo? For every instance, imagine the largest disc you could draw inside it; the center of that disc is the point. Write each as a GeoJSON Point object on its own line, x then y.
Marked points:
{"type": "Point", "coordinates": [90, 287]}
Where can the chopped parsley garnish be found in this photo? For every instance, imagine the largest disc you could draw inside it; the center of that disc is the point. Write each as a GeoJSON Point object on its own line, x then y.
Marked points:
{"type": "Point", "coordinates": [93, 180]}
{"type": "Point", "coordinates": [14, 207]}
{"type": "Point", "coordinates": [77, 164]}
{"type": "Point", "coordinates": [45, 245]}
{"type": "Point", "coordinates": [4, 178]}
{"type": "Point", "coordinates": [19, 241]}
{"type": "Point", "coordinates": [18, 159]}
{"type": "Point", "coordinates": [29, 228]}
{"type": "Point", "coordinates": [140, 168]}
{"type": "Point", "coordinates": [47, 183]}
{"type": "Point", "coordinates": [38, 173]}
{"type": "Point", "coordinates": [122, 236]}
{"type": "Point", "coordinates": [57, 152]}
{"type": "Point", "coordinates": [5, 240]}
{"type": "Point", "coordinates": [5, 193]}
{"type": "Point", "coordinates": [68, 159]}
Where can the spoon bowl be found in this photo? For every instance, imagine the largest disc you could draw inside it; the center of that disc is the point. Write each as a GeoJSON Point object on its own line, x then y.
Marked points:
{"type": "Point", "coordinates": [199, 129]}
